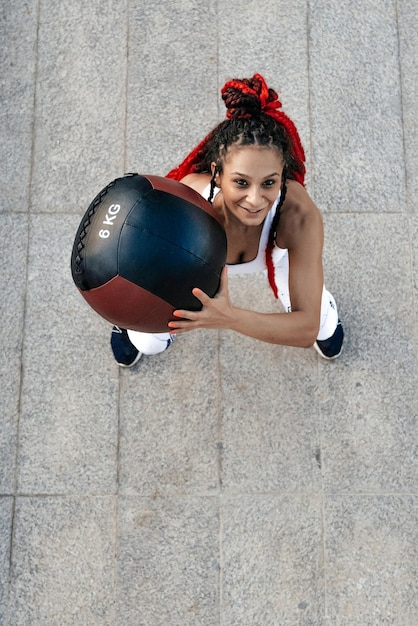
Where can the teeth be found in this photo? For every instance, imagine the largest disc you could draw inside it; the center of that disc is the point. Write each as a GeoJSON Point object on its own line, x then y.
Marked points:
{"type": "Point", "coordinates": [251, 210]}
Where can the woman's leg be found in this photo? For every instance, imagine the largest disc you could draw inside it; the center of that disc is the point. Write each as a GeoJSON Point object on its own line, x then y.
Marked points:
{"type": "Point", "coordinates": [329, 312]}
{"type": "Point", "coordinates": [150, 343]}
{"type": "Point", "coordinates": [128, 345]}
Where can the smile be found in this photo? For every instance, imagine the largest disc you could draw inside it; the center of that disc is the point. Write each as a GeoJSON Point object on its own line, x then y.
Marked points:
{"type": "Point", "coordinates": [252, 211]}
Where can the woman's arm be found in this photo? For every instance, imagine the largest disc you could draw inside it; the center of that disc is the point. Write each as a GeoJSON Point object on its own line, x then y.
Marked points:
{"type": "Point", "coordinates": [301, 232]}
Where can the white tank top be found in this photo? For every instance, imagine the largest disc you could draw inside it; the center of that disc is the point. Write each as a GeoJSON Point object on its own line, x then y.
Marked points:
{"type": "Point", "coordinates": [259, 263]}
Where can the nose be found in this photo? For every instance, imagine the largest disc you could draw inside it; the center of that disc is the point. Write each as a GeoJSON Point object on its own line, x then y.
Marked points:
{"type": "Point", "coordinates": [254, 196]}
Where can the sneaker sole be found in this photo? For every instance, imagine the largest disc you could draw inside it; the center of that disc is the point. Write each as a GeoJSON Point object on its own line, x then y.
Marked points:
{"type": "Point", "coordinates": [323, 356]}
{"type": "Point", "coordinates": [138, 356]}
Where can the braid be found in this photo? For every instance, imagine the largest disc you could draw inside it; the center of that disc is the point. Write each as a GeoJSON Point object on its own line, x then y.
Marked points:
{"type": "Point", "coordinates": [272, 238]}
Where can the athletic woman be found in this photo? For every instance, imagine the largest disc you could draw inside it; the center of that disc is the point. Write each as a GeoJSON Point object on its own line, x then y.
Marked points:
{"type": "Point", "coordinates": [251, 167]}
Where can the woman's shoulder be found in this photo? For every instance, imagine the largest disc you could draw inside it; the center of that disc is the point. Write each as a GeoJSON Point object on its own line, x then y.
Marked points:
{"type": "Point", "coordinates": [198, 182]}
{"type": "Point", "coordinates": [299, 216]}
{"type": "Point", "coordinates": [298, 203]}
{"type": "Point", "coordinates": [297, 193]}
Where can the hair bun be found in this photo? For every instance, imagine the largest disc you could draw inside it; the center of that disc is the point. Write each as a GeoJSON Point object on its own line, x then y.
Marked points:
{"type": "Point", "coordinates": [248, 97]}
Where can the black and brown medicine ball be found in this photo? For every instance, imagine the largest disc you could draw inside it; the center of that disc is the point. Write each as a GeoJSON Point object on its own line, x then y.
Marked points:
{"type": "Point", "coordinates": [143, 244]}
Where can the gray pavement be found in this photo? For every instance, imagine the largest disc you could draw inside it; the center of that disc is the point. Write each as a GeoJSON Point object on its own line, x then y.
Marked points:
{"type": "Point", "coordinates": [226, 481]}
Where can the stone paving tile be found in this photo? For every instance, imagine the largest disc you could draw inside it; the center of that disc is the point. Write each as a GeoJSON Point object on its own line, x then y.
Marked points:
{"type": "Point", "coordinates": [169, 420]}
{"type": "Point", "coordinates": [69, 413]}
{"type": "Point", "coordinates": [172, 81]}
{"type": "Point", "coordinates": [269, 437]}
{"type": "Point", "coordinates": [80, 103]}
{"type": "Point", "coordinates": [13, 253]}
{"type": "Point", "coordinates": [272, 556]}
{"type": "Point", "coordinates": [414, 240]}
{"type": "Point", "coordinates": [368, 399]}
{"type": "Point", "coordinates": [269, 406]}
{"type": "Point", "coordinates": [168, 562]}
{"type": "Point", "coordinates": [371, 557]}
{"type": "Point", "coordinates": [63, 561]}
{"type": "Point", "coordinates": [6, 513]}
{"type": "Point", "coordinates": [408, 45]}
{"type": "Point", "coordinates": [357, 133]}
{"type": "Point", "coordinates": [18, 63]}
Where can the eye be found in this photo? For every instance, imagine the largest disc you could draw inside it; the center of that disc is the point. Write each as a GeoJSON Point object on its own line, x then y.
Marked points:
{"type": "Point", "coordinates": [269, 183]}
{"type": "Point", "coordinates": [240, 182]}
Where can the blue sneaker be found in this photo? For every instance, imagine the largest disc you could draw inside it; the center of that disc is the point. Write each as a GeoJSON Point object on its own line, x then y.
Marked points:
{"type": "Point", "coordinates": [331, 348]}
{"type": "Point", "coordinates": [124, 351]}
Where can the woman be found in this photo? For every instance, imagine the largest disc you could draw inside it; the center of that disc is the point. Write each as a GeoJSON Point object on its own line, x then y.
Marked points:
{"type": "Point", "coordinates": [251, 167]}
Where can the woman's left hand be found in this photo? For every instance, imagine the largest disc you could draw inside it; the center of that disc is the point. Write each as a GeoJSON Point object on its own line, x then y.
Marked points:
{"type": "Point", "coordinates": [216, 312]}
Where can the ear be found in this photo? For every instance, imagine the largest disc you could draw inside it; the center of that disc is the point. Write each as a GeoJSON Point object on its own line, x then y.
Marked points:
{"type": "Point", "coordinates": [214, 173]}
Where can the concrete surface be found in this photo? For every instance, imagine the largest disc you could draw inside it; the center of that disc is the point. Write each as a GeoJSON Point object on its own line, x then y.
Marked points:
{"type": "Point", "coordinates": [225, 482]}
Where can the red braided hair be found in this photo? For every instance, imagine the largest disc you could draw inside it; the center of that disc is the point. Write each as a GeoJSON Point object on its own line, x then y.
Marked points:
{"type": "Point", "coordinates": [263, 99]}
{"type": "Point", "coordinates": [249, 99]}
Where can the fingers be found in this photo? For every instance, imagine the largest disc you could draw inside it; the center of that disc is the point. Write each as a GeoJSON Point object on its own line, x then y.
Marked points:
{"type": "Point", "coordinates": [201, 296]}
{"type": "Point", "coordinates": [184, 315]}
{"type": "Point", "coordinates": [185, 323]}
{"type": "Point", "coordinates": [181, 326]}
{"type": "Point", "coordinates": [188, 320]}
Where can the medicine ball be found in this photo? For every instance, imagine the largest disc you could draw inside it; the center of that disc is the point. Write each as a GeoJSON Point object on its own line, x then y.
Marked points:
{"type": "Point", "coordinates": [143, 244]}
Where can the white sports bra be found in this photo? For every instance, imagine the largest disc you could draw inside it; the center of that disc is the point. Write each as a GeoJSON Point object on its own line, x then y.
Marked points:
{"type": "Point", "coordinates": [259, 263]}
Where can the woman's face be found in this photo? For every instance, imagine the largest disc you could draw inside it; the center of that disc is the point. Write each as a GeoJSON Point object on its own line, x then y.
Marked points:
{"type": "Point", "coordinates": [250, 181]}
